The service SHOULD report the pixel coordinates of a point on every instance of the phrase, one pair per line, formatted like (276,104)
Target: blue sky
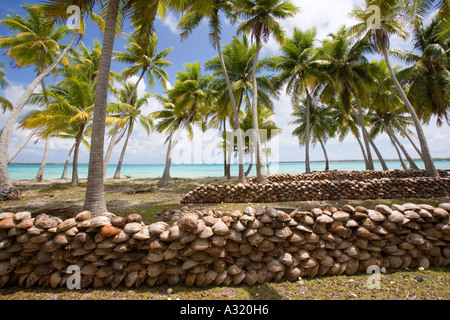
(326,15)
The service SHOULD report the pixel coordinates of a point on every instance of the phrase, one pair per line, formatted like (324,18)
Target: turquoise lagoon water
(54,171)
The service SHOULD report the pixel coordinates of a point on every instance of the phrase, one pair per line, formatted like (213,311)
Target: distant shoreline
(204,164)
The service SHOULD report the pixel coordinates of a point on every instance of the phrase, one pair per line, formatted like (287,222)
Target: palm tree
(352,77)
(428,77)
(142,14)
(391,23)
(383,122)
(238,59)
(321,122)
(300,64)
(196,12)
(35,43)
(188,101)
(346,123)
(133,114)
(68,112)
(145,60)
(386,101)
(260,21)
(265,123)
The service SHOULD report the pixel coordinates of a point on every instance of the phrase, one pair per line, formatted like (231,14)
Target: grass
(141,196)
(399,285)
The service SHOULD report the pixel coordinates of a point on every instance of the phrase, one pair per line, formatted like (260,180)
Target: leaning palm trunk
(22,145)
(66,164)
(408,157)
(122,154)
(327,164)
(95,199)
(166,174)
(7,189)
(173,140)
(378,153)
(409,138)
(362,148)
(398,151)
(241,177)
(426,155)
(360,117)
(250,164)
(112,141)
(40,175)
(261,175)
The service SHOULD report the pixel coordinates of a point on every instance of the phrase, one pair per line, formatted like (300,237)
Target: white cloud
(326,15)
(171,22)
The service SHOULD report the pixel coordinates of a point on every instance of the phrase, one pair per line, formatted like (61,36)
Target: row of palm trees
(333,87)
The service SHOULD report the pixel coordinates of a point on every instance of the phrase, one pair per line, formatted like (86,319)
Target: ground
(141,196)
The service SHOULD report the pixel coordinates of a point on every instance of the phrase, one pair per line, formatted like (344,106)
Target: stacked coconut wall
(307,190)
(220,248)
(349,175)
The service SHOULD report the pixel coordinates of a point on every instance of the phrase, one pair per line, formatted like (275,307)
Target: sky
(326,15)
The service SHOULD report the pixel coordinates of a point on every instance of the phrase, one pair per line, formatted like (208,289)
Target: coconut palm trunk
(409,138)
(95,199)
(225,163)
(360,117)
(267,160)
(250,164)
(40,175)
(173,140)
(426,155)
(66,164)
(362,149)
(22,145)
(76,152)
(166,174)
(241,177)
(112,141)
(308,131)
(379,156)
(398,151)
(261,175)
(408,157)
(122,154)
(327,163)
(7,189)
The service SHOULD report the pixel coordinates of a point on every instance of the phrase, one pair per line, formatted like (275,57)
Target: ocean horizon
(18,171)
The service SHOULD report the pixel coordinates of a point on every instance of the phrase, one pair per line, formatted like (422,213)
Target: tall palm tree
(145,60)
(392,14)
(238,59)
(352,77)
(428,76)
(142,15)
(260,21)
(34,43)
(386,101)
(68,113)
(346,123)
(190,100)
(265,123)
(321,122)
(196,12)
(299,67)
(133,114)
